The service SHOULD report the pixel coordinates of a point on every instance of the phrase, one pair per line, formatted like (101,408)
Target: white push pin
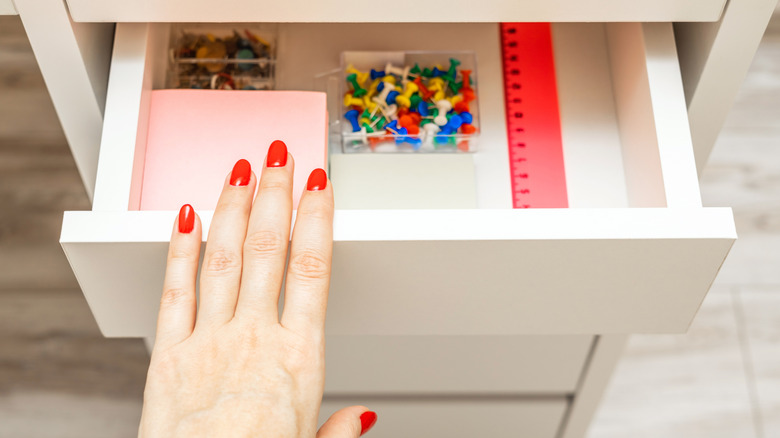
(429,133)
(382,96)
(398,71)
(389,111)
(444,106)
(364,135)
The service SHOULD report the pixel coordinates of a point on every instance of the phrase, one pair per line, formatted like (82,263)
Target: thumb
(350,422)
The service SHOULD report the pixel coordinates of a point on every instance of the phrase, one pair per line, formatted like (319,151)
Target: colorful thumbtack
(405,99)
(443,106)
(359,91)
(362,77)
(376,74)
(352,116)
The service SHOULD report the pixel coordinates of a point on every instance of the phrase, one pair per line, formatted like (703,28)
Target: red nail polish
(367,421)
(241,174)
(317,180)
(277,154)
(186,219)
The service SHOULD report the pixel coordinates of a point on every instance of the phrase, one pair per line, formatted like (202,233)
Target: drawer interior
(615,152)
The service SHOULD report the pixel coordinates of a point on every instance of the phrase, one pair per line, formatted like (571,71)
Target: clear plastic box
(222,56)
(378,129)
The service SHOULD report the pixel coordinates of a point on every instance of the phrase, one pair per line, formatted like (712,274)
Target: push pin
(362,77)
(350,100)
(405,99)
(384,89)
(467,117)
(398,71)
(429,132)
(359,91)
(452,71)
(352,116)
(376,74)
(467,128)
(425,93)
(391,96)
(443,106)
(452,125)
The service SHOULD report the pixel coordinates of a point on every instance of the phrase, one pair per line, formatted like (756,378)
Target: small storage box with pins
(222,57)
(409,102)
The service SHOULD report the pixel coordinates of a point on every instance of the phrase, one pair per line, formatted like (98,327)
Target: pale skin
(230,366)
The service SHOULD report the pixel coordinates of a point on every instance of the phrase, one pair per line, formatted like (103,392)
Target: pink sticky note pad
(196,136)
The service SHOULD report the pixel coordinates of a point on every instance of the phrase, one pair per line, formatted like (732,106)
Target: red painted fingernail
(241,174)
(186,219)
(277,154)
(367,421)
(317,180)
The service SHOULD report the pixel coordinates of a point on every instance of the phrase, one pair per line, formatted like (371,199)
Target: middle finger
(268,235)
(221,272)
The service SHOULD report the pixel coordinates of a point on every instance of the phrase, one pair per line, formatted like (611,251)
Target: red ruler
(532,117)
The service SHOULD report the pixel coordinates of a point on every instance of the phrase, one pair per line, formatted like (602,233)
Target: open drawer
(635,252)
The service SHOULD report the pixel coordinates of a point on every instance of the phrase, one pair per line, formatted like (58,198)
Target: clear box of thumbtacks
(408,101)
(222,56)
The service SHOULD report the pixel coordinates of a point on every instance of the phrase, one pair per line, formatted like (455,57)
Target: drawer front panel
(404,365)
(457,417)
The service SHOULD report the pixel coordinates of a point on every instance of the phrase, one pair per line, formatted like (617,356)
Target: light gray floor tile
(686,386)
(761,310)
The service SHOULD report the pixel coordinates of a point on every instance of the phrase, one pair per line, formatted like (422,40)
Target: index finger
(311,249)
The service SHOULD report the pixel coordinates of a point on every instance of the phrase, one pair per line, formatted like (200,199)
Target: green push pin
(415,100)
(455,86)
(427,73)
(368,127)
(359,91)
(452,72)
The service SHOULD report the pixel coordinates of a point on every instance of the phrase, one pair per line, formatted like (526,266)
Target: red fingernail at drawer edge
(186,219)
(277,154)
(241,174)
(367,421)
(317,180)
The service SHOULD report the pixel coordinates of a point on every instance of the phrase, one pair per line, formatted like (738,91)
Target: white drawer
(402,11)
(636,252)
(468,417)
(447,365)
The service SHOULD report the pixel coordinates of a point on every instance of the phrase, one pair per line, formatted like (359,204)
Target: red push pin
(425,93)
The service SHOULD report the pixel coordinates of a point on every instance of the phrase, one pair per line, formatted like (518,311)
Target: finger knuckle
(274,185)
(309,264)
(261,243)
(173,296)
(223,261)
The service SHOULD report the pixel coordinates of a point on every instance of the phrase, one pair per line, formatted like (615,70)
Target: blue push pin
(380,87)
(416,142)
(352,116)
(467,117)
(452,125)
(401,137)
(422,108)
(376,74)
(392,126)
(437,72)
(391,97)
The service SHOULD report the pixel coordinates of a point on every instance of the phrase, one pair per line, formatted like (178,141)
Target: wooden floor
(60,378)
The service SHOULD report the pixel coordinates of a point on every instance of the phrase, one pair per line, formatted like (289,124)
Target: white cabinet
(508,321)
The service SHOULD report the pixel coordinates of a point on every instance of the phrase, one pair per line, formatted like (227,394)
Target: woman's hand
(232,367)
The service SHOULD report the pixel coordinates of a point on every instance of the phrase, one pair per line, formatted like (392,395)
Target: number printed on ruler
(532,117)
